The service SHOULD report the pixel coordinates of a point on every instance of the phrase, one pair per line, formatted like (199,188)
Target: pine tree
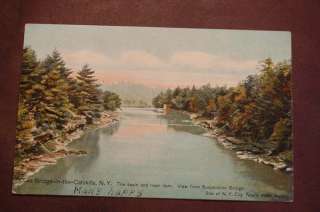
(55,108)
(89,94)
(257,110)
(55,61)
(31,76)
(24,129)
(29,65)
(44,89)
(29,93)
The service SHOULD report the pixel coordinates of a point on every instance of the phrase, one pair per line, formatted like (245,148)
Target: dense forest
(257,111)
(52,97)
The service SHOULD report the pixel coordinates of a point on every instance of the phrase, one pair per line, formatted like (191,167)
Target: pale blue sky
(140,54)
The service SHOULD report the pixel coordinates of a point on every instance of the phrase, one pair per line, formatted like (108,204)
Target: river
(153,155)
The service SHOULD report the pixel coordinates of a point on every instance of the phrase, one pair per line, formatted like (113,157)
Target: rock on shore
(243,150)
(28,166)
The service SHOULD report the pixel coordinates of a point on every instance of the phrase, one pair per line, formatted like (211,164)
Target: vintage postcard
(155,113)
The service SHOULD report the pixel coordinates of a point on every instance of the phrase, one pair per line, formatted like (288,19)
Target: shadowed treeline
(257,110)
(54,102)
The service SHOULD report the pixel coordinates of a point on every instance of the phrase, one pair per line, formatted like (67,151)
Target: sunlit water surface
(158,150)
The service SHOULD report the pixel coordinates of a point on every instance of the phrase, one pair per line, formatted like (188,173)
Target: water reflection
(147,147)
(78,164)
(57,171)
(181,122)
(250,170)
(90,143)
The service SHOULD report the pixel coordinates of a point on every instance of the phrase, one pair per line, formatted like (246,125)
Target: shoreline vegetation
(243,150)
(56,106)
(253,118)
(27,167)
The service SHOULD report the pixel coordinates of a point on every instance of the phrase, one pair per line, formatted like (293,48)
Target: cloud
(202,60)
(132,59)
(194,61)
(77,59)
(182,67)
(192,58)
(139,59)
(166,79)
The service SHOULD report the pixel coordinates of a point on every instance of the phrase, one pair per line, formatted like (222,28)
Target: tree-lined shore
(55,106)
(256,115)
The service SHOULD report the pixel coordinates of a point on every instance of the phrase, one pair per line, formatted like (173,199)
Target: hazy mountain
(133,94)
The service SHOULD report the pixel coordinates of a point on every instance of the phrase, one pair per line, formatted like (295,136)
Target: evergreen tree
(55,61)
(258,110)
(24,129)
(30,79)
(29,94)
(89,94)
(49,97)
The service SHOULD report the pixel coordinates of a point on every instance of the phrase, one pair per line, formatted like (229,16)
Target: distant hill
(132,94)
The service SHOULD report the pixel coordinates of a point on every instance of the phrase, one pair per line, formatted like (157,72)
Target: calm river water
(152,155)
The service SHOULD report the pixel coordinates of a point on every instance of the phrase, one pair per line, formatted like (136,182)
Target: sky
(160,57)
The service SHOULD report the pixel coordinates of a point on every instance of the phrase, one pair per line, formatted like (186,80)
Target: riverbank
(57,147)
(243,150)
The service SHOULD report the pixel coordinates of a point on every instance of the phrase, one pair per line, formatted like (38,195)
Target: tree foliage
(257,110)
(111,101)
(50,97)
